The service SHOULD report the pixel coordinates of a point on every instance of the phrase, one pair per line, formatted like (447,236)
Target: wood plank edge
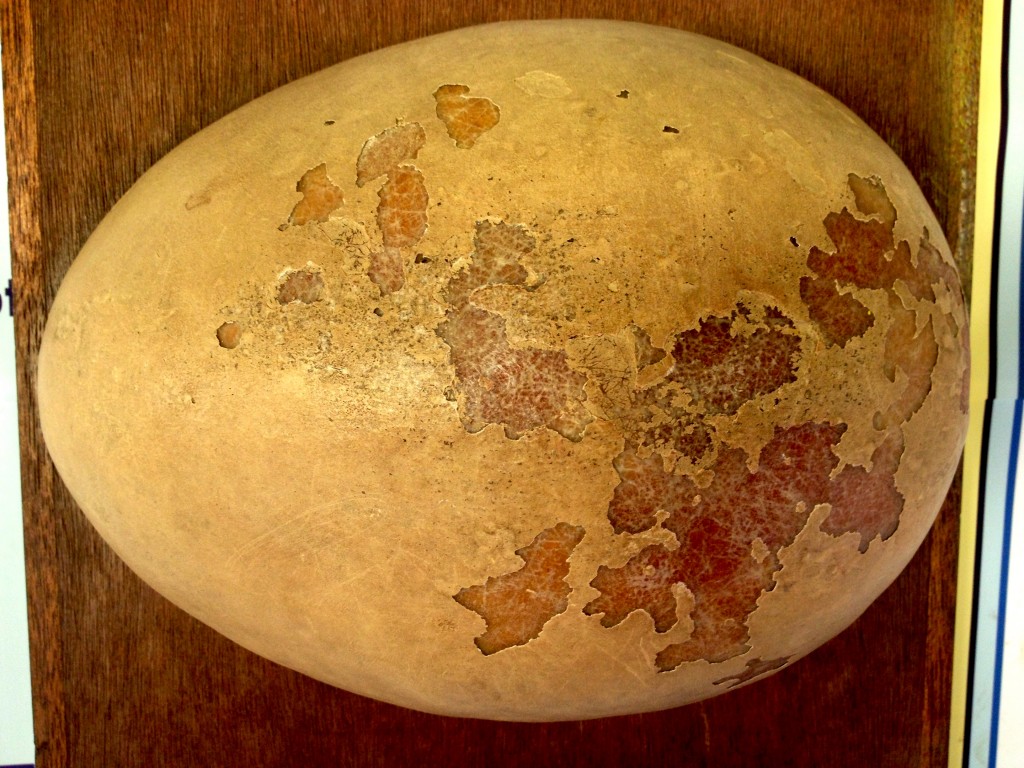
(30,305)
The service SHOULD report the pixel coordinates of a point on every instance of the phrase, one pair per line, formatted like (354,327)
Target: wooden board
(97,90)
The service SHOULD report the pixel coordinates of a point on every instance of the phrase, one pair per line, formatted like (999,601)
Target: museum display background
(95,92)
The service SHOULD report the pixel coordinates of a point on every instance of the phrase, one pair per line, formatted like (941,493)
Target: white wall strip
(996,738)
(16,740)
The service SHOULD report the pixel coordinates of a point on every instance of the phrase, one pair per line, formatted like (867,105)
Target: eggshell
(531,371)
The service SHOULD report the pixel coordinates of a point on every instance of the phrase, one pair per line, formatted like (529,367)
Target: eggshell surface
(532,371)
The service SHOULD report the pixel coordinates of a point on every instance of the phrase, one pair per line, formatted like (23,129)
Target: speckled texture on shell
(629,368)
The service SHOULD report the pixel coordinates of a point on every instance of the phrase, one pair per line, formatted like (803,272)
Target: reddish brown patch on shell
(320,197)
(839,316)
(402,211)
(725,362)
(388,149)
(865,501)
(386,270)
(722,367)
(730,533)
(520,388)
(686,435)
(465,117)
(866,256)
(517,605)
(644,489)
(497,250)
(402,206)
(301,285)
(716,528)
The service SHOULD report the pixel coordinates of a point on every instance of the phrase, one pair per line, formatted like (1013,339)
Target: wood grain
(97,90)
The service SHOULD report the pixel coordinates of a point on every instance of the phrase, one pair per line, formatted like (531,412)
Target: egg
(532,371)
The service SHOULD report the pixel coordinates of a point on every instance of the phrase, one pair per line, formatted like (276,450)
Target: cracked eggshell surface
(532,371)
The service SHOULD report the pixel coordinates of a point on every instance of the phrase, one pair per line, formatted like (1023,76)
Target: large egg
(531,371)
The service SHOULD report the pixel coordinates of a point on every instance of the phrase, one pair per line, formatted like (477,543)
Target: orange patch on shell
(320,197)
(517,605)
(465,117)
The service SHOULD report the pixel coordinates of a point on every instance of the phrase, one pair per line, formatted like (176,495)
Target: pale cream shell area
(313,494)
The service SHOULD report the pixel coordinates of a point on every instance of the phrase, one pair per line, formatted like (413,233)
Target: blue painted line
(997,666)
(989,663)
(1011,481)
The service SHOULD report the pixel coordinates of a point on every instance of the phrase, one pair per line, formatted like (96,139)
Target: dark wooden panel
(97,90)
